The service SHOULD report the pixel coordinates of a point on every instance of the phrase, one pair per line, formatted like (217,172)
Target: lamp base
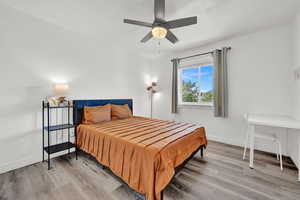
(61,100)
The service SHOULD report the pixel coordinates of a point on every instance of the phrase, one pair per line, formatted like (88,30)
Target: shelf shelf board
(58,107)
(58,127)
(59,147)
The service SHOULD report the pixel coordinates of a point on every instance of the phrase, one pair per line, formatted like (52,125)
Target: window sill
(195,106)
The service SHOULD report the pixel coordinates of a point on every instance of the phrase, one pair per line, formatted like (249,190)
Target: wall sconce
(152,91)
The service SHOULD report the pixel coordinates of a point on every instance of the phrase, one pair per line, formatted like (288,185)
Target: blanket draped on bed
(143,152)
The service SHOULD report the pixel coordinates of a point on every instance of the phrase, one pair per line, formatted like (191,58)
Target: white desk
(272,121)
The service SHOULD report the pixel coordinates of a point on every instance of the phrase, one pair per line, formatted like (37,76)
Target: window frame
(179,82)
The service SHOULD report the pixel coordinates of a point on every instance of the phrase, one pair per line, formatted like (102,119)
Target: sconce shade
(60,89)
(152,88)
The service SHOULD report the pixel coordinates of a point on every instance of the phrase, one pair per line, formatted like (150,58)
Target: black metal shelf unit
(49,129)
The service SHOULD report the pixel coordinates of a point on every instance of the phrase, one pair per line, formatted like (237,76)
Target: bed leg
(201,152)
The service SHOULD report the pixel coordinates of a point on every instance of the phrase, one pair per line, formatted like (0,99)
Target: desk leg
(246,142)
(251,134)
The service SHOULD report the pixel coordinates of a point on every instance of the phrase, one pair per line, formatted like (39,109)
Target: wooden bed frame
(78,106)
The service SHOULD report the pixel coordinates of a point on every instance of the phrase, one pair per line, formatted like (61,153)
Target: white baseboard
(237,143)
(28,160)
(224,140)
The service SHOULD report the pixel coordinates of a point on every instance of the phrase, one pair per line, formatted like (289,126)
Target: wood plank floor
(221,174)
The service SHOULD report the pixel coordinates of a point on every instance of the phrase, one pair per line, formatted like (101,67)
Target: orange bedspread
(143,152)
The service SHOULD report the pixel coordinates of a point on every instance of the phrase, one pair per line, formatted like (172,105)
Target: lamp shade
(60,89)
(152,87)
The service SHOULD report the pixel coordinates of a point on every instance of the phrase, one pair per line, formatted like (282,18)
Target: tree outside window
(196,85)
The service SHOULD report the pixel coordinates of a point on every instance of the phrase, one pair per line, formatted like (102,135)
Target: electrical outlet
(297,74)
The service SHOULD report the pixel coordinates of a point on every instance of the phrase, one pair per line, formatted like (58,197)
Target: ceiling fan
(161,27)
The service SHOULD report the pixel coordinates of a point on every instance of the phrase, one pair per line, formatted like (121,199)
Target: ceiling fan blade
(138,23)
(181,22)
(147,37)
(159,10)
(171,37)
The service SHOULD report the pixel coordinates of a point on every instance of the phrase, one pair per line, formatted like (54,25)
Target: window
(196,85)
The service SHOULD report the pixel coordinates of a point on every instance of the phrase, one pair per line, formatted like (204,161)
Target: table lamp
(60,91)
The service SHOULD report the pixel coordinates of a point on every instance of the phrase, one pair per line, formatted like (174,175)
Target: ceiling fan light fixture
(159,32)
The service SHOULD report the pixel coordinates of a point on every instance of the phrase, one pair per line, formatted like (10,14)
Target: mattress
(143,152)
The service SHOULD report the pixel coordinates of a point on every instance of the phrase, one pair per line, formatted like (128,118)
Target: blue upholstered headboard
(79,105)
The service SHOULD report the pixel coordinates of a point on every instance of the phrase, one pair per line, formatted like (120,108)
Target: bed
(145,153)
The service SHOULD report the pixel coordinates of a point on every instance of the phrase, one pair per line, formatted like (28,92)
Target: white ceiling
(217,19)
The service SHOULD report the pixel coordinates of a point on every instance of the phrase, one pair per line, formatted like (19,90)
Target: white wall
(260,81)
(294,136)
(296,65)
(34,54)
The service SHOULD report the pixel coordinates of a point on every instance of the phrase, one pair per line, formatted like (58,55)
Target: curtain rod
(200,54)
